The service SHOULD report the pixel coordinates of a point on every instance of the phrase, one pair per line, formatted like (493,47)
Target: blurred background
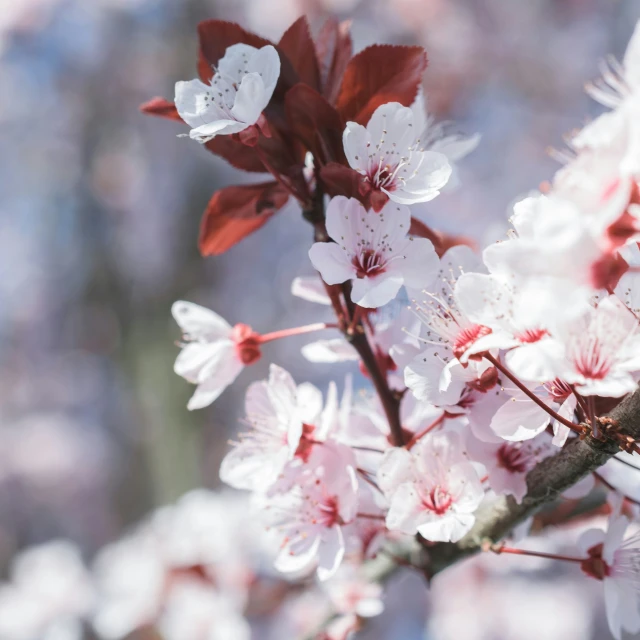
(99,215)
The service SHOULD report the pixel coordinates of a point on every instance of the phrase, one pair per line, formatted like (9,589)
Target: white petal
(335,350)
(332,262)
(375,292)
(198,322)
(250,99)
(330,553)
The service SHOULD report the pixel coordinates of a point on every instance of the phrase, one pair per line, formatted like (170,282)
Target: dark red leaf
(235,212)
(380,74)
(161,108)
(442,242)
(339,180)
(335,49)
(316,123)
(216,36)
(297,45)
(236,154)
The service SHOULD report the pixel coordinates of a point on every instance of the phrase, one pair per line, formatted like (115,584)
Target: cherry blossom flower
(214,353)
(373,251)
(432,490)
(389,153)
(310,517)
(49,596)
(351,592)
(507,463)
(520,418)
(614,561)
(236,96)
(285,421)
(186,560)
(520,314)
(310,289)
(436,374)
(601,350)
(556,239)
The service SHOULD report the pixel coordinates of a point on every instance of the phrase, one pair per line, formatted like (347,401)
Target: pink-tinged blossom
(285,421)
(189,557)
(389,154)
(616,562)
(507,463)
(236,96)
(213,352)
(601,350)
(436,374)
(520,418)
(432,490)
(351,593)
(309,518)
(556,239)
(49,596)
(373,251)
(520,314)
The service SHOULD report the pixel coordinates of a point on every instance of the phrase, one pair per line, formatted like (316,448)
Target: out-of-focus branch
(545,483)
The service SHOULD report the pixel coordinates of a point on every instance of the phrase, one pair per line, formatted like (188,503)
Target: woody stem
(498,365)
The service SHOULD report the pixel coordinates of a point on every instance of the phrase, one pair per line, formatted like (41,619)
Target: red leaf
(316,123)
(161,108)
(339,180)
(235,212)
(334,48)
(216,36)
(442,242)
(236,154)
(298,47)
(377,75)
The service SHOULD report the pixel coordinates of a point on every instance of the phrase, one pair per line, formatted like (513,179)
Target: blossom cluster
(480,365)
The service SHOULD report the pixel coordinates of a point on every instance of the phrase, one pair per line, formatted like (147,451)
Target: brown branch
(545,483)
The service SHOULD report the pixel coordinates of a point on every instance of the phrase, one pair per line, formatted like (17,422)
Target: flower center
(558,389)
(467,336)
(532,335)
(487,380)
(438,500)
(514,458)
(592,362)
(368,263)
(328,515)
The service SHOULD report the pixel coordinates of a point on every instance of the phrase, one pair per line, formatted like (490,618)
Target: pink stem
(498,365)
(296,331)
(424,432)
(536,554)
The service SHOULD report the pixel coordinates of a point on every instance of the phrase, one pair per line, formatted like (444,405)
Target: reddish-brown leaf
(161,108)
(316,123)
(215,37)
(377,75)
(297,45)
(236,154)
(442,242)
(235,212)
(339,180)
(335,49)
